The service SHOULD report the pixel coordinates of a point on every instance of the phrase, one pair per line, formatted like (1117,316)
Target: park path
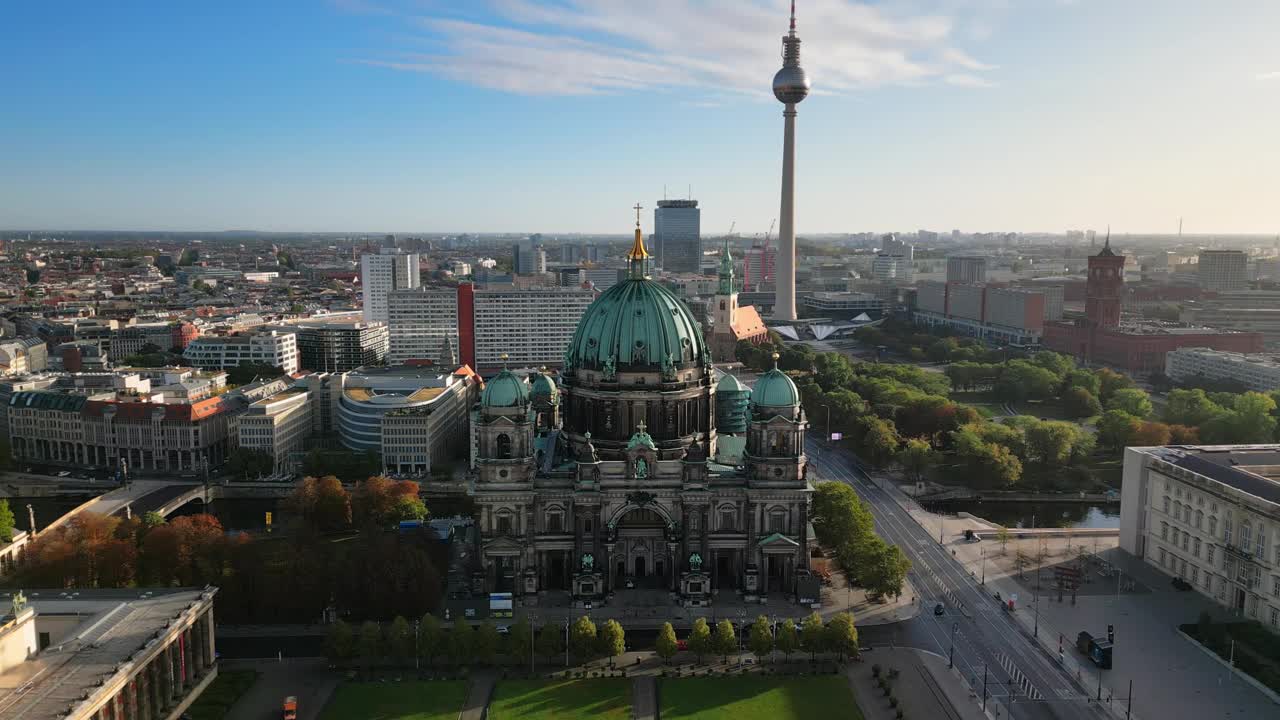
(478,698)
(644,698)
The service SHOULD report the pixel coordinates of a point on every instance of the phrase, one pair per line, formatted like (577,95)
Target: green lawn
(411,700)
(757,698)
(561,700)
(216,700)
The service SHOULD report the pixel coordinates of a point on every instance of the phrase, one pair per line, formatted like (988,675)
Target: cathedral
(605,478)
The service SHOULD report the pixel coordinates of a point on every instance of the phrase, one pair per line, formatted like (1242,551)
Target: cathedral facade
(604,478)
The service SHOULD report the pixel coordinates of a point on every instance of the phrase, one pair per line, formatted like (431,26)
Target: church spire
(726,269)
(638,254)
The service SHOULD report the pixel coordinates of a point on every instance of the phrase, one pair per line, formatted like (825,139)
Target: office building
(528,257)
(1248,311)
(677,234)
(90,654)
(1223,270)
(424,325)
(383,273)
(1003,315)
(895,263)
(1210,516)
(266,347)
(338,346)
(1140,347)
(758,267)
(413,416)
(279,426)
(146,432)
(966,269)
(1255,372)
(603,278)
(23,355)
(531,327)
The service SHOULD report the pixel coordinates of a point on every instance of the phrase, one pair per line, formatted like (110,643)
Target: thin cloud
(583,47)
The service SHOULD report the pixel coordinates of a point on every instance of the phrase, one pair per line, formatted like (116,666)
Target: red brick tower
(1105,287)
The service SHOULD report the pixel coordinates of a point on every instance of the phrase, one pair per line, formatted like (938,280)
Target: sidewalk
(649,609)
(924,687)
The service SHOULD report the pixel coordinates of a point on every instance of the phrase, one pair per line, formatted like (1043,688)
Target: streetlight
(951,656)
(984,567)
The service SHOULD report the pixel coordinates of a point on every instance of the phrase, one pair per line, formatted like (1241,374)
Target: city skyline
(1041,116)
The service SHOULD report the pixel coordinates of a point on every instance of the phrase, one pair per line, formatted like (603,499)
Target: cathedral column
(804,535)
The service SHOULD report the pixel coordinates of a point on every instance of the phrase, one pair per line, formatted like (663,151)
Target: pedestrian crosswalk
(1017,678)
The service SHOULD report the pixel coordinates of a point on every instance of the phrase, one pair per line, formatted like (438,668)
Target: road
(1019,674)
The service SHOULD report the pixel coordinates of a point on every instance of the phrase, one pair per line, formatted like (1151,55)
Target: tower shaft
(784,306)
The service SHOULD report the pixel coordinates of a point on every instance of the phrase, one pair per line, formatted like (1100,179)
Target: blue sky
(557,116)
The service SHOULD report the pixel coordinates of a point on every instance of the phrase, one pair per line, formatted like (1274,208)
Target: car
(682,645)
(64,473)
(939,609)
(1181,585)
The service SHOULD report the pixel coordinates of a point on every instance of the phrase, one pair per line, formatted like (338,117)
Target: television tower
(790,86)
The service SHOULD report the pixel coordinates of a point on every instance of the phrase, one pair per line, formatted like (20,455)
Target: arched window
(778,520)
(554,520)
(503,449)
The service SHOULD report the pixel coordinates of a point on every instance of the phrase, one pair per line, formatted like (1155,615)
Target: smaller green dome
(544,387)
(731,384)
(504,390)
(774,389)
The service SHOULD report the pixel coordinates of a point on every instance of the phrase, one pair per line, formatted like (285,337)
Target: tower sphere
(791,84)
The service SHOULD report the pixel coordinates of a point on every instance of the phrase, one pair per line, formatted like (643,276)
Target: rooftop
(117,624)
(1251,469)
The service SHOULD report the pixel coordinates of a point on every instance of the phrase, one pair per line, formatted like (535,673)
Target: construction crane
(732,225)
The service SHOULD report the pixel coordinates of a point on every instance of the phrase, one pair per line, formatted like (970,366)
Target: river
(1032,514)
(47,509)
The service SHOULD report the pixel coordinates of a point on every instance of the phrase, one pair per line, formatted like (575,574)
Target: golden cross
(638,208)
(641,426)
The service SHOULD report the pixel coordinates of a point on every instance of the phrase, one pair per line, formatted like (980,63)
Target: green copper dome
(504,390)
(637,325)
(775,390)
(544,387)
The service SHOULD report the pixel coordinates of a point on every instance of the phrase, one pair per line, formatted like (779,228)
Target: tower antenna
(793,15)
(1179,227)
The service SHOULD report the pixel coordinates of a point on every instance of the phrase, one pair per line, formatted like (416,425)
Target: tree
(1109,381)
(1022,380)
(788,639)
(814,635)
(1077,402)
(761,638)
(842,636)
(370,644)
(886,570)
(1183,435)
(1116,429)
(1131,400)
(700,639)
(1002,534)
(520,640)
(432,640)
(582,638)
(339,643)
(667,645)
(1057,363)
(461,642)
(380,502)
(485,643)
(549,644)
(322,503)
(839,515)
(7,522)
(246,462)
(400,640)
(1084,380)
(612,640)
(1192,408)
(988,462)
(877,440)
(725,641)
(1151,434)
(1051,442)
(917,457)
